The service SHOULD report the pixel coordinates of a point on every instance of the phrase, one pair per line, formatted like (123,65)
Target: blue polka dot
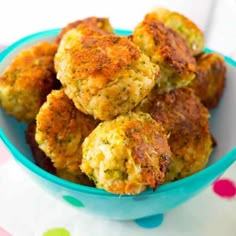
(150,222)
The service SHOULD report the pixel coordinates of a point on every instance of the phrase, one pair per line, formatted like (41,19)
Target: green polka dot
(73,201)
(57,232)
(150,222)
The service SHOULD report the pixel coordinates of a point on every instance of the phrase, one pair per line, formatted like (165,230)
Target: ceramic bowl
(148,203)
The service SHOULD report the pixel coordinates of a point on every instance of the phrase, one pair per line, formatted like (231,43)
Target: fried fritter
(187,29)
(167,49)
(127,154)
(61,129)
(96,24)
(104,75)
(91,26)
(26,82)
(39,156)
(185,120)
(45,162)
(209,82)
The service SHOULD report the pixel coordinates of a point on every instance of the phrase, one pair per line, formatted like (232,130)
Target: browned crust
(65,29)
(161,14)
(151,153)
(33,70)
(184,118)
(103,55)
(188,24)
(60,116)
(183,26)
(59,123)
(171,47)
(99,25)
(28,79)
(209,82)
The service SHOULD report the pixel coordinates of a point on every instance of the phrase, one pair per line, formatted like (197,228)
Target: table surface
(37,213)
(211,213)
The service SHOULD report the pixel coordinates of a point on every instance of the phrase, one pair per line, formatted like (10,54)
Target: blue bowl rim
(225,161)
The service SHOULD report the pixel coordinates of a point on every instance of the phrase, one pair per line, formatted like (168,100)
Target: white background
(22,17)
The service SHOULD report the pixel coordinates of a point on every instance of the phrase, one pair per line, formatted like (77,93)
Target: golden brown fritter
(167,49)
(96,24)
(187,29)
(157,14)
(209,82)
(26,82)
(45,162)
(71,25)
(104,75)
(127,154)
(61,129)
(39,156)
(185,120)
(91,26)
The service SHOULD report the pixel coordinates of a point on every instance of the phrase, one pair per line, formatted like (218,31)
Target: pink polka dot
(224,188)
(5,155)
(3,232)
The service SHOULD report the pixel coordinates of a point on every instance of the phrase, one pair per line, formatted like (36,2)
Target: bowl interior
(222,118)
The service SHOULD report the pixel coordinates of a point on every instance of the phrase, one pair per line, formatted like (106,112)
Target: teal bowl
(126,207)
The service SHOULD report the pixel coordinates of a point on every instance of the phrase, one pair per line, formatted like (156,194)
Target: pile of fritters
(119,113)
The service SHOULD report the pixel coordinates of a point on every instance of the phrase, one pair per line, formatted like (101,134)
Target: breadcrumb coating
(25,84)
(210,79)
(167,49)
(61,129)
(104,75)
(186,121)
(127,154)
(46,163)
(98,25)
(182,25)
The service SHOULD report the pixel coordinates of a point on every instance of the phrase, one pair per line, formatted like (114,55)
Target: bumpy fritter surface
(185,120)
(187,29)
(209,82)
(45,162)
(91,26)
(61,129)
(166,48)
(39,156)
(127,154)
(26,82)
(99,25)
(104,75)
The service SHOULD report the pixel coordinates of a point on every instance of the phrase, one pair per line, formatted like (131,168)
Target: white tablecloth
(27,210)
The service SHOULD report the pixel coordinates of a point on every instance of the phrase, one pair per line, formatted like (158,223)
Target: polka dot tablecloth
(27,210)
